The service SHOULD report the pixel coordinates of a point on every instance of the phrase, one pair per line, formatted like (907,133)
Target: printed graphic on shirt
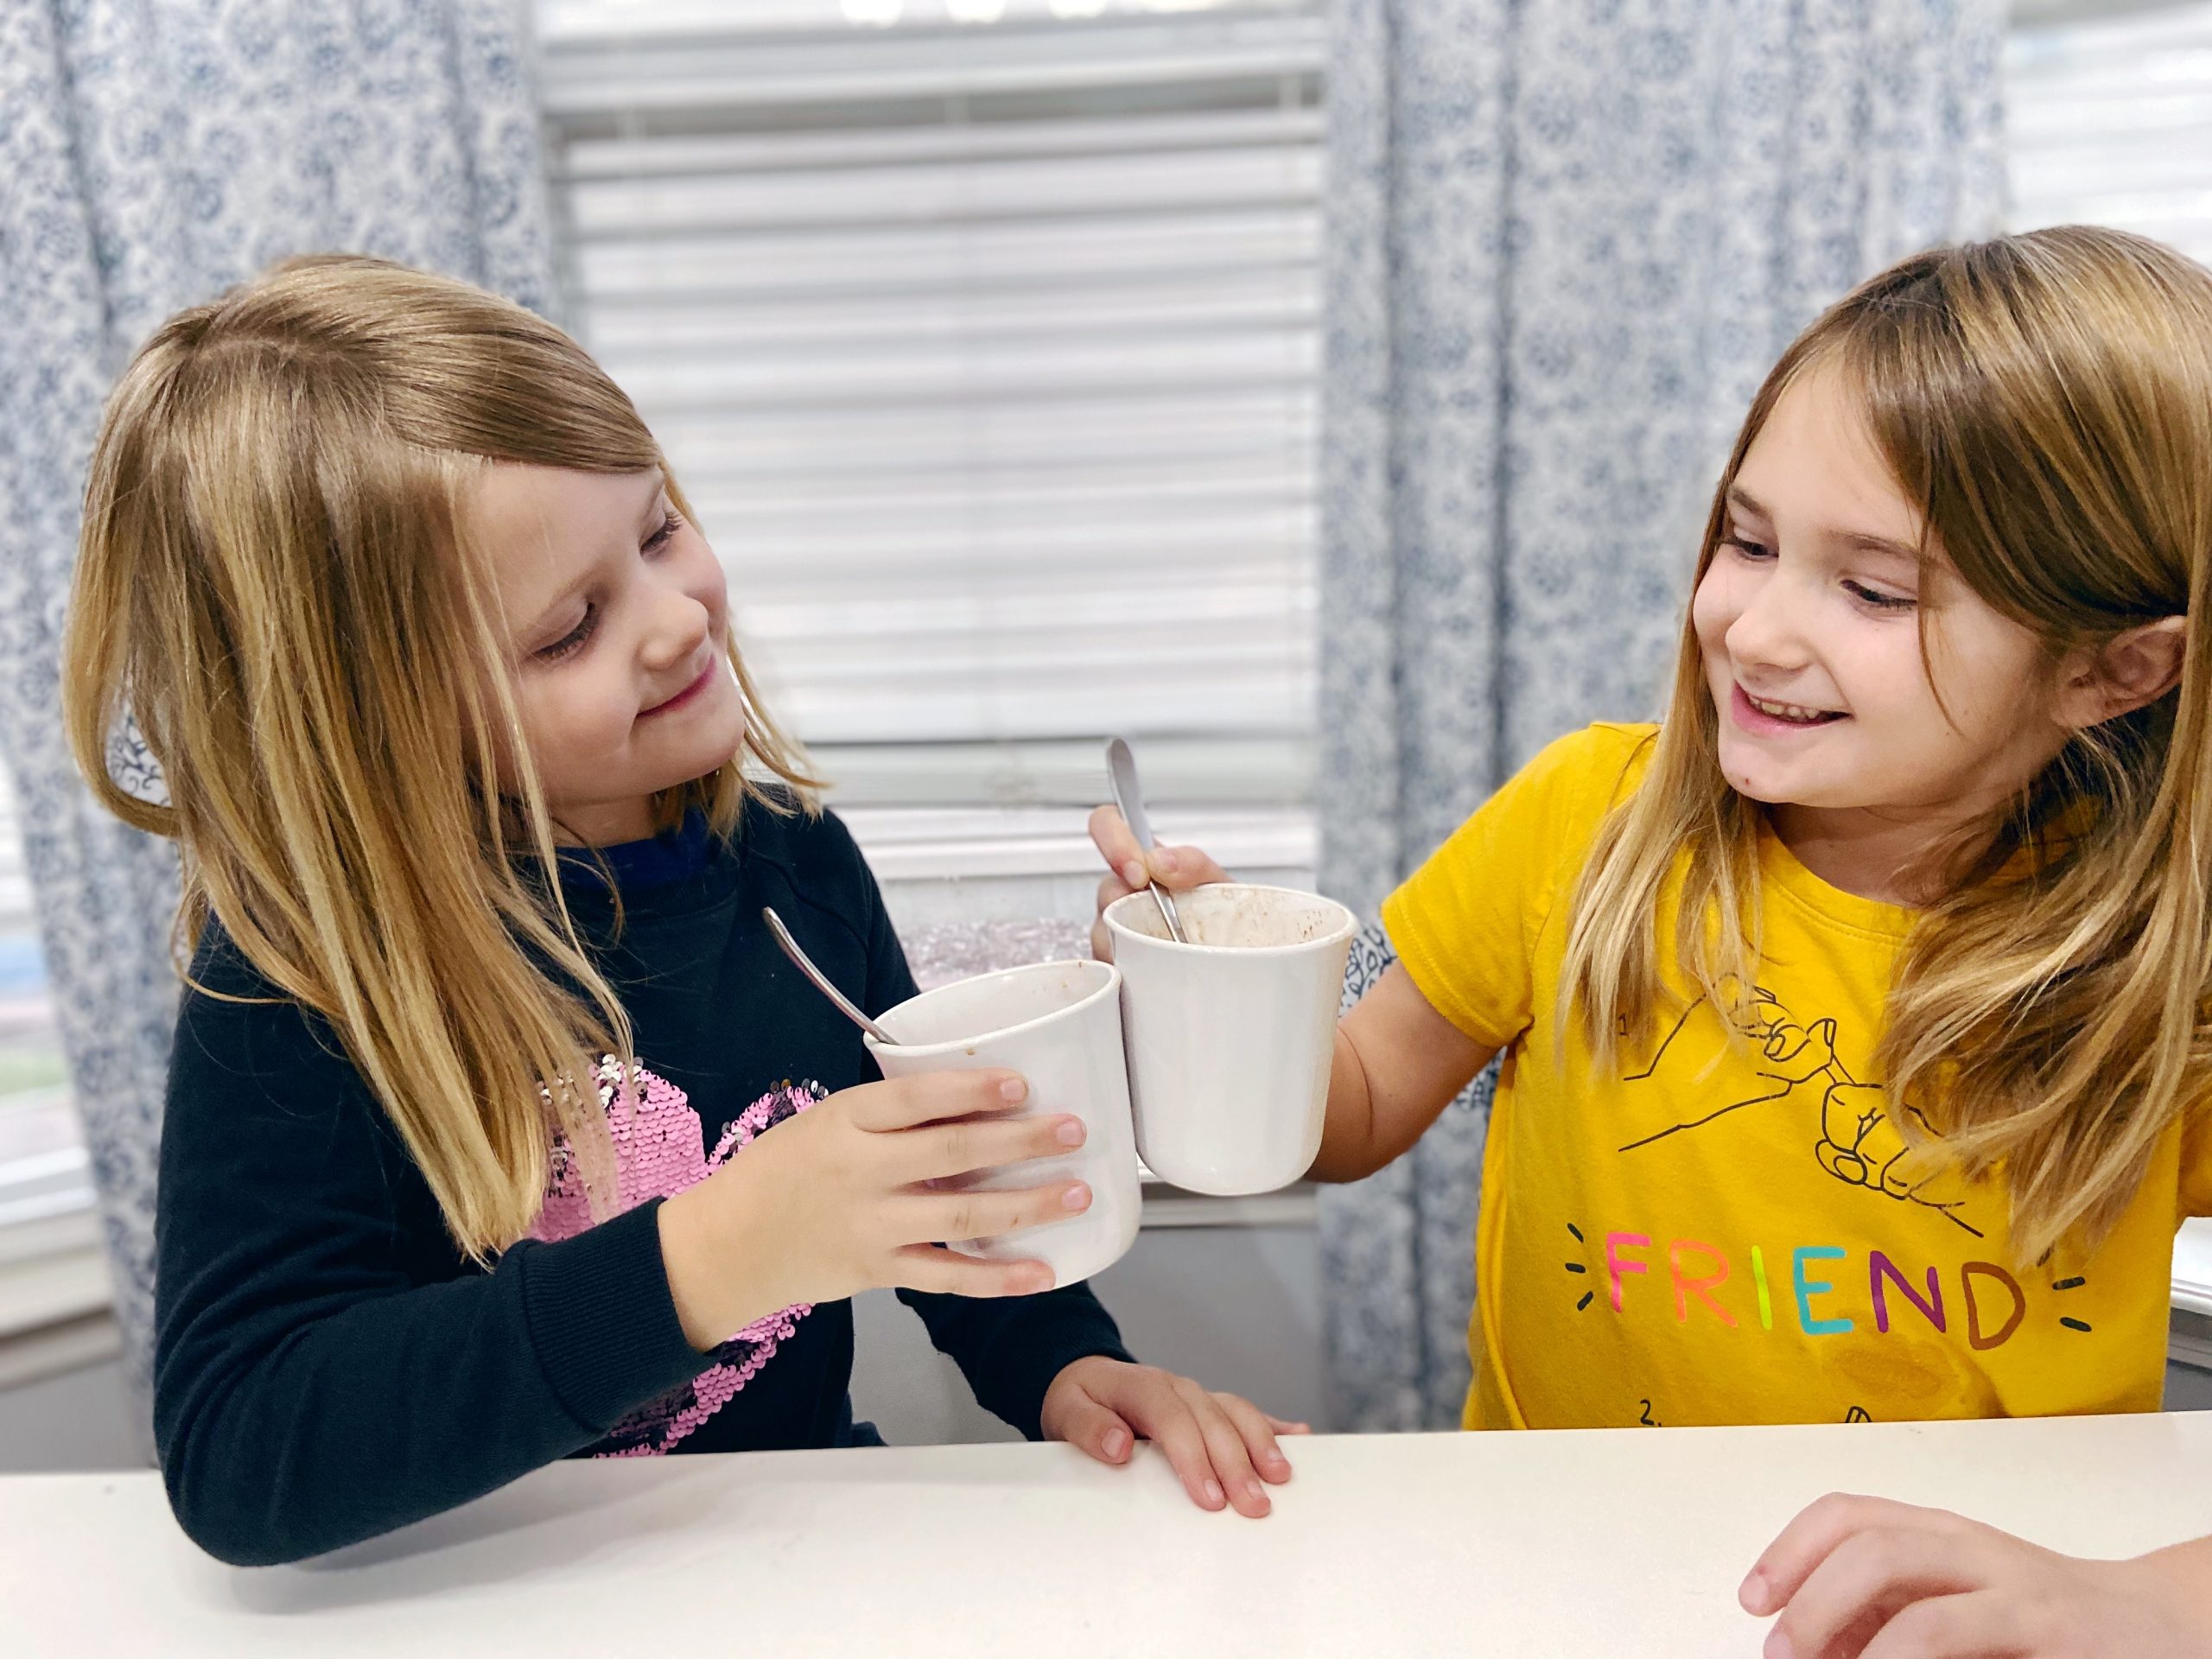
(1915,1336)
(659,1151)
(1987,1302)
(1853,1138)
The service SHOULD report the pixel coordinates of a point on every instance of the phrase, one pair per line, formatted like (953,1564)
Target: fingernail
(1013,1089)
(1166,863)
(1778,1646)
(1253,1495)
(1213,1493)
(1115,1443)
(1132,873)
(1075,1196)
(1752,1595)
(1070,1134)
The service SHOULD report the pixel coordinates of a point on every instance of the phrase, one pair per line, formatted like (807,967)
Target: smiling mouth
(1787,714)
(683,696)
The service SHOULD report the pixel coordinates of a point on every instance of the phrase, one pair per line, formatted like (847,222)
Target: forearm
(1349,1151)
(286,1433)
(1398,1064)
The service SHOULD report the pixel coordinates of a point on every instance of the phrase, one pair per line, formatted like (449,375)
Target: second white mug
(1231,1035)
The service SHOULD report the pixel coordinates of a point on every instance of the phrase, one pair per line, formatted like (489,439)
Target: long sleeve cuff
(601,1318)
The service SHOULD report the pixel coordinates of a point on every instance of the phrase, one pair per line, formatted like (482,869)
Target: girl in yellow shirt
(1854,1017)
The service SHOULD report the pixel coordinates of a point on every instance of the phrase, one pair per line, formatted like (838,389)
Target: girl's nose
(1769,628)
(679,627)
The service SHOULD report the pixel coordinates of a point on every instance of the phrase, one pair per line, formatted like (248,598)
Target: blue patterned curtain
(1566,238)
(153,152)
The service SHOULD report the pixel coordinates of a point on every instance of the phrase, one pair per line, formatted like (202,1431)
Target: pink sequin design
(658,1153)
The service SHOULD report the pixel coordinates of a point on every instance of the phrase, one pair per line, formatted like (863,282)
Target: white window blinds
(2109,112)
(987,352)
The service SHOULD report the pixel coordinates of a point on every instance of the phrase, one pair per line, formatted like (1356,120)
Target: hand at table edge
(1869,1578)
(1221,1446)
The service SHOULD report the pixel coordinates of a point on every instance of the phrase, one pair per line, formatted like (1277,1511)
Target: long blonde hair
(276,583)
(2046,400)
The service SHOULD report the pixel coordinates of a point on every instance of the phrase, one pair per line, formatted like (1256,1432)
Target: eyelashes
(573,641)
(576,638)
(1873,598)
(1880,601)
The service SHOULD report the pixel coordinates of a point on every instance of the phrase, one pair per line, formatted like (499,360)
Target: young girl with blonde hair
(1854,1016)
(498,1130)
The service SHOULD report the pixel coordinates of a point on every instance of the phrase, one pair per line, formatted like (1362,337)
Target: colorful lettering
(1879,1266)
(1700,1289)
(1975,1339)
(1808,1288)
(1697,1270)
(1614,1266)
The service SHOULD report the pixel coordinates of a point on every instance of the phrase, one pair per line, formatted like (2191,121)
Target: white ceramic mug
(1059,1025)
(1230,1036)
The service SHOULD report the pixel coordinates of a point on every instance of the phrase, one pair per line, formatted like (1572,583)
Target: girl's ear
(2123,675)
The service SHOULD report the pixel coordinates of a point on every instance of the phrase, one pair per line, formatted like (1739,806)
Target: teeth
(1786,711)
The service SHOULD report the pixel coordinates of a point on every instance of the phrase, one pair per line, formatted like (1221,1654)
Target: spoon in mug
(804,964)
(1122,772)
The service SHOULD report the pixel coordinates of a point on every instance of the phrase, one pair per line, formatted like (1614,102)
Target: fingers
(1113,838)
(1283,1426)
(1190,1427)
(1171,867)
(948,1273)
(1184,867)
(957,1216)
(932,1097)
(1176,1431)
(934,1151)
(1102,942)
(1258,1431)
(1098,1429)
(1112,889)
(1870,1578)
(1208,1452)
(1783,1567)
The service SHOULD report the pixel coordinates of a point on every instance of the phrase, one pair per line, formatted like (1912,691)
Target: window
(42,1167)
(983,335)
(54,1284)
(2109,108)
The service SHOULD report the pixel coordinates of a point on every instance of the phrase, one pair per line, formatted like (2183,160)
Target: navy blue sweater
(328,1366)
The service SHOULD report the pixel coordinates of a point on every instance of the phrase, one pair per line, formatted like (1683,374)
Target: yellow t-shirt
(1714,1233)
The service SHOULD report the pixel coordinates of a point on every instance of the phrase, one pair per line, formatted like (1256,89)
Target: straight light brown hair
(278,585)
(2046,401)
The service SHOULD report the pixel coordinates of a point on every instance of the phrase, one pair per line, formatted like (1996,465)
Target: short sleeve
(1465,923)
(2196,1162)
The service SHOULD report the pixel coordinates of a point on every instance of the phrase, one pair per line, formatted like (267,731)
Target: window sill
(937,844)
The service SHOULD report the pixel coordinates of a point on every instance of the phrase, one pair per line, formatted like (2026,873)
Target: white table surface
(1551,1545)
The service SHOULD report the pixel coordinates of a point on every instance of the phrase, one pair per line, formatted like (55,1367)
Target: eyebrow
(1742,499)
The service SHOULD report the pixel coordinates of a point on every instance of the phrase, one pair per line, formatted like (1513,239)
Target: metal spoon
(804,964)
(1122,772)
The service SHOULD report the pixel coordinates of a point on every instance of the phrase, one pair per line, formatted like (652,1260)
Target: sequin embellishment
(658,1148)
